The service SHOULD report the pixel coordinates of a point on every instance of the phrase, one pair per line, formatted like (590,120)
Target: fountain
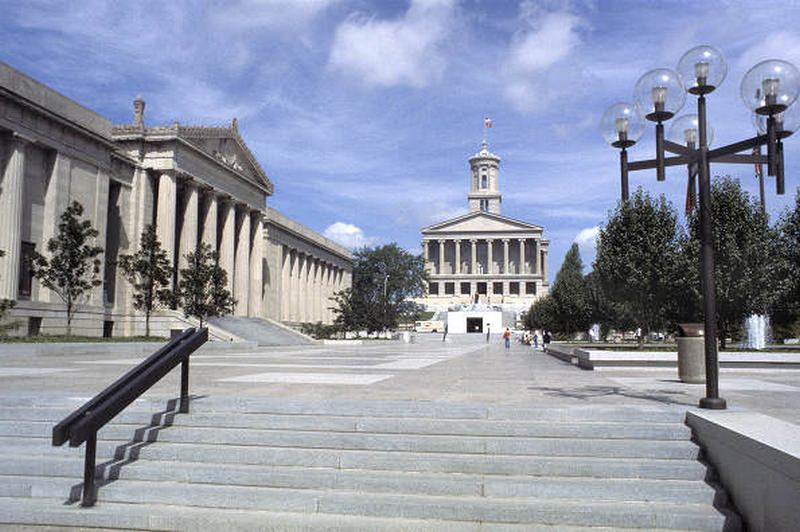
(757,333)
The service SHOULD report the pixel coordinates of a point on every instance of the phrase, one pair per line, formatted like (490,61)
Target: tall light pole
(768,89)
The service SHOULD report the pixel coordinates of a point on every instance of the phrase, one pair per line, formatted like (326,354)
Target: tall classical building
(483,256)
(194,183)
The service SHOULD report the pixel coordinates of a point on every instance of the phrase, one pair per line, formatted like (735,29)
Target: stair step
(162,517)
(464,508)
(447,462)
(442,483)
(405,426)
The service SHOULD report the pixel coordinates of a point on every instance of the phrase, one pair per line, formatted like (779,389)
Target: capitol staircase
(282,464)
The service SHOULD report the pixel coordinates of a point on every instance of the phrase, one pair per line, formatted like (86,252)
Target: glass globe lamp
(685,130)
(702,69)
(621,125)
(659,94)
(770,87)
(787,122)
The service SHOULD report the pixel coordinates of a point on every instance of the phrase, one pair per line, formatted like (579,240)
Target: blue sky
(364,113)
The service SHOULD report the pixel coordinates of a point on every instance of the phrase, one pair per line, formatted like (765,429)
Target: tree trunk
(69,319)
(147,324)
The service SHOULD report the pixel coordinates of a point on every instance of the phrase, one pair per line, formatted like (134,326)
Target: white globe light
(770,86)
(659,94)
(702,69)
(621,125)
(685,130)
(787,122)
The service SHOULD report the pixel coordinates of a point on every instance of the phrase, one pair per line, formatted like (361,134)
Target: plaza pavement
(464,369)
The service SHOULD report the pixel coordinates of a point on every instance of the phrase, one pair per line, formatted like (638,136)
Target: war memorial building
(195,183)
(483,257)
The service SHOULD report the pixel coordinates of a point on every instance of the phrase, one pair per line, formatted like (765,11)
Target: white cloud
(348,235)
(534,70)
(588,236)
(273,15)
(779,45)
(407,51)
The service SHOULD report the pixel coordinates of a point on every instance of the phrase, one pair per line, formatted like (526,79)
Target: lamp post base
(713,403)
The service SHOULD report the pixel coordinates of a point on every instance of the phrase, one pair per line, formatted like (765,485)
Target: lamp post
(768,89)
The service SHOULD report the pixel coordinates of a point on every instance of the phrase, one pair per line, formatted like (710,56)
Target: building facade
(194,183)
(483,257)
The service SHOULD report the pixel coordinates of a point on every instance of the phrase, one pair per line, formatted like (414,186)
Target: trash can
(691,353)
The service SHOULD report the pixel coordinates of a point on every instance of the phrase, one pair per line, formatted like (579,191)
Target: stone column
(188,242)
(473,267)
(521,268)
(227,243)
(294,259)
(505,257)
(318,306)
(441,256)
(165,213)
(489,257)
(210,220)
(55,201)
(286,279)
(544,265)
(425,253)
(241,280)
(11,205)
(256,264)
(535,253)
(457,269)
(309,289)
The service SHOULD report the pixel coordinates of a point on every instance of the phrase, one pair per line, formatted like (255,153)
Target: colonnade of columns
(308,285)
(11,205)
(536,266)
(230,227)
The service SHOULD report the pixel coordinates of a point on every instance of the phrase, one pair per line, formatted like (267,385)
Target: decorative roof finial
(235,125)
(487,125)
(138,112)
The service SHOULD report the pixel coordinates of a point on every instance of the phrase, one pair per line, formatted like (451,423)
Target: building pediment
(481,222)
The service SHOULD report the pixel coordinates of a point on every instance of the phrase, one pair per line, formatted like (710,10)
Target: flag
(487,123)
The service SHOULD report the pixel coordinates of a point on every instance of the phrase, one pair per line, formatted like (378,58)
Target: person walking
(444,336)
(488,332)
(535,341)
(507,338)
(545,340)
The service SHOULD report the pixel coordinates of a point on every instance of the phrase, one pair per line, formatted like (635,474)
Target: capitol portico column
(521,268)
(457,269)
(241,280)
(544,265)
(11,205)
(291,295)
(210,220)
(535,253)
(505,256)
(489,258)
(188,242)
(425,253)
(256,264)
(286,267)
(441,256)
(165,215)
(227,243)
(473,267)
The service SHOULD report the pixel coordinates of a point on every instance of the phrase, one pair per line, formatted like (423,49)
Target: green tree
(542,315)
(786,310)
(73,267)
(638,261)
(202,293)
(570,296)
(149,273)
(384,279)
(746,267)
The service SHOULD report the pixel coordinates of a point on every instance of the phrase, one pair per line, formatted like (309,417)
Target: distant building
(194,183)
(483,257)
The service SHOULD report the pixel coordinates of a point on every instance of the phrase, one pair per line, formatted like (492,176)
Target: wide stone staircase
(283,464)
(260,331)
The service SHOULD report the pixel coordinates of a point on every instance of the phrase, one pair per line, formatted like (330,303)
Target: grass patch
(57,339)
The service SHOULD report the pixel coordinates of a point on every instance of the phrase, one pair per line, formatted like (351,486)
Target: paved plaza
(464,369)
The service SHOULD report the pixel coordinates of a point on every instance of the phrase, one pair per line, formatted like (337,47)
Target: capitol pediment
(481,222)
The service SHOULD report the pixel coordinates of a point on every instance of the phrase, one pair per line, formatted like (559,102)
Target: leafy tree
(384,279)
(746,267)
(149,272)
(570,297)
(786,311)
(605,311)
(73,267)
(542,315)
(638,261)
(202,293)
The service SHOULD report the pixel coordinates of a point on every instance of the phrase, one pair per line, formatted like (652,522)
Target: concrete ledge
(591,358)
(757,458)
(342,342)
(567,354)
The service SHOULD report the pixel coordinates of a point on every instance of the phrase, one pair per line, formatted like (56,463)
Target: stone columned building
(193,183)
(483,257)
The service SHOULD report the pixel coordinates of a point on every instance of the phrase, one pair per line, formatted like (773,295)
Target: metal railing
(82,424)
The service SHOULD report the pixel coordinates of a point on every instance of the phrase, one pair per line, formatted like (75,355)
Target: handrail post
(89,492)
(184,408)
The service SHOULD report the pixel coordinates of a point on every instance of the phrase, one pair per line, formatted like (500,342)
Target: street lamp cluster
(768,89)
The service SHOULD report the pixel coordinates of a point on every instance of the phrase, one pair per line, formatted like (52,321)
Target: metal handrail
(82,424)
